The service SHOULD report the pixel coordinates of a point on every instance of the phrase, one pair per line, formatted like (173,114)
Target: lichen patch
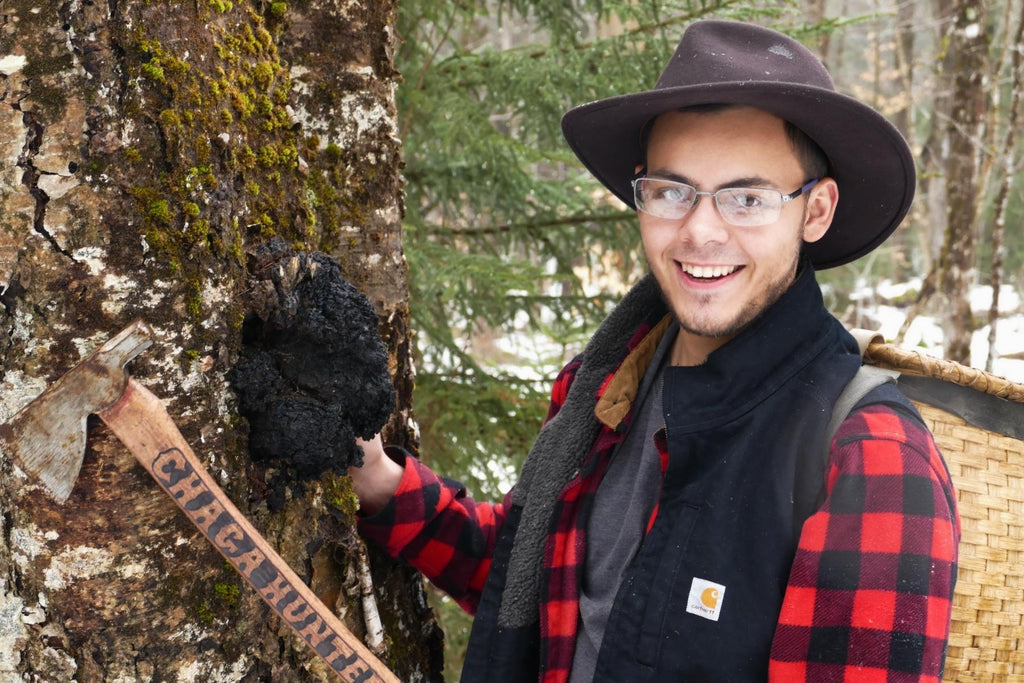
(77,563)
(12,632)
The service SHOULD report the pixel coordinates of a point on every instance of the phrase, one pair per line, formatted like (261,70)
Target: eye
(670,194)
(744,199)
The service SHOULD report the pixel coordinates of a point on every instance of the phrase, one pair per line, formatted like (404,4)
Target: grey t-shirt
(622,506)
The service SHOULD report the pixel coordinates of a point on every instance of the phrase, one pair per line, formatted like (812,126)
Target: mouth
(707,273)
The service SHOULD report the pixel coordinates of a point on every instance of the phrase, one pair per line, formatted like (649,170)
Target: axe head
(46,438)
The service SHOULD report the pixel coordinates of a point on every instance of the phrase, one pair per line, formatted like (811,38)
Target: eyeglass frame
(785,198)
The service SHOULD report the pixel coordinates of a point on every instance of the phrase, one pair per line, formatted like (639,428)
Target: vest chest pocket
(668,594)
(650,591)
(694,605)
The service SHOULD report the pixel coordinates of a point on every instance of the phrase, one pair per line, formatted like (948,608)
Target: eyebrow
(746,181)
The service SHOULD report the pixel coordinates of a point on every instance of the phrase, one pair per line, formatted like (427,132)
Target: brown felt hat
(726,62)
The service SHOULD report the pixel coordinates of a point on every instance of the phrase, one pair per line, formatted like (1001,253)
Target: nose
(703,224)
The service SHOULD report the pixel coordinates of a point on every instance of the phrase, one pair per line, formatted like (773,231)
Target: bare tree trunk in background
(932,172)
(936,173)
(989,165)
(968,53)
(814,12)
(930,206)
(147,147)
(1006,161)
(905,62)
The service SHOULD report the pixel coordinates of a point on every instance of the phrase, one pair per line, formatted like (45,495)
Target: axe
(47,439)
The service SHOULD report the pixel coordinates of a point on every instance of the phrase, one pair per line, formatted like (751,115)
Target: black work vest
(746,434)
(745,431)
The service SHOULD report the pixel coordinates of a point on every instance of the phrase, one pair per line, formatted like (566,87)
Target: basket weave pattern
(986,641)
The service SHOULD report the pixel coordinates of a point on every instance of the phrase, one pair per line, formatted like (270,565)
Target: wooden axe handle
(142,424)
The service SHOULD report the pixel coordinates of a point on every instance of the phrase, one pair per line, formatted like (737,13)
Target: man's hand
(377,480)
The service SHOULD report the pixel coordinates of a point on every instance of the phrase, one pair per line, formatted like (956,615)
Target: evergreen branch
(501,379)
(541,298)
(427,63)
(828,26)
(534,52)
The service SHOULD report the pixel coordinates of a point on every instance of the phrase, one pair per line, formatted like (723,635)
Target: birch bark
(145,149)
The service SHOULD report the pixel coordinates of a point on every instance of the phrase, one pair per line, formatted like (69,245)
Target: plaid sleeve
(433,525)
(870,592)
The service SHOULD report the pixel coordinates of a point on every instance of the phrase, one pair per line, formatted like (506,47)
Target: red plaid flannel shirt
(869,596)
(870,592)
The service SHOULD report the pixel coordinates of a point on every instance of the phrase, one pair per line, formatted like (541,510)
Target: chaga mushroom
(313,372)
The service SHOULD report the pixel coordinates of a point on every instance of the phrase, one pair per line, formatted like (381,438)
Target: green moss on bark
(211,99)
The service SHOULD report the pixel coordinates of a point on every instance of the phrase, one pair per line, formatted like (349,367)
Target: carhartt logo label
(705,599)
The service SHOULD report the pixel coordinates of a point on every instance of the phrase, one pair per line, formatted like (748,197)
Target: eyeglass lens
(741,206)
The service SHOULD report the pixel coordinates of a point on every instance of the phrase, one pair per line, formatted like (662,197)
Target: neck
(692,349)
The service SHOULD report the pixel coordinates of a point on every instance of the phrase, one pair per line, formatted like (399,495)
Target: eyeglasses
(746,207)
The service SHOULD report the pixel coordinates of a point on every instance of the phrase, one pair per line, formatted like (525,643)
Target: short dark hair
(811,157)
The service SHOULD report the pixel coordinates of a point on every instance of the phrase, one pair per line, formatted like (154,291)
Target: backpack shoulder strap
(809,489)
(868,377)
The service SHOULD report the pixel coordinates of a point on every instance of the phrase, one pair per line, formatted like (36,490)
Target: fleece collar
(563,444)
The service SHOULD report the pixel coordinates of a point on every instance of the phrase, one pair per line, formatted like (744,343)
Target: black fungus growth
(313,372)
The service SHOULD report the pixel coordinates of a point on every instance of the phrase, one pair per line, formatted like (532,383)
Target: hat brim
(871,161)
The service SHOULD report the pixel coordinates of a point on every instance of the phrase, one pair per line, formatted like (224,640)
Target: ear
(821,207)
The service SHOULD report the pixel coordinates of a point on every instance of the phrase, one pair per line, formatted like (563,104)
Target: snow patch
(925,332)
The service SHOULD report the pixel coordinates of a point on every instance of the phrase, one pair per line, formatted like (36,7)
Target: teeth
(707,271)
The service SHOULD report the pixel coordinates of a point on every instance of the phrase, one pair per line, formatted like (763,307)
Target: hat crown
(713,52)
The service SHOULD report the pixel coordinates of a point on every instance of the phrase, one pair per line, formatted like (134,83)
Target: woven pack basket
(978,423)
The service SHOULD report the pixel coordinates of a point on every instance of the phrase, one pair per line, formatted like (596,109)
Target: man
(684,514)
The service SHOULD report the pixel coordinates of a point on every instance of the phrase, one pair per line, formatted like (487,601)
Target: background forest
(516,254)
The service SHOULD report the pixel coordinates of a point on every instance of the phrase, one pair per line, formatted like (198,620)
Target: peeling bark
(145,149)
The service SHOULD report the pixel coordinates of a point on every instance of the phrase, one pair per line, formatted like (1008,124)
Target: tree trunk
(968,55)
(148,148)
(933,200)
(931,204)
(1006,161)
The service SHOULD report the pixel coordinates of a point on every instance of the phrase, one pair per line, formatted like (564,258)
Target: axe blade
(47,437)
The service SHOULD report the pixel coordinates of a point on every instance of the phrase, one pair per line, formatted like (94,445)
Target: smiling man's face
(717,277)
